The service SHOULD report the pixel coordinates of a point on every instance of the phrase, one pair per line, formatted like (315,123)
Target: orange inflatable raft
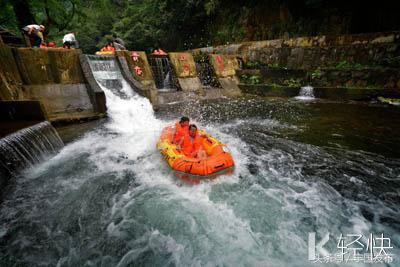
(218,160)
(105,53)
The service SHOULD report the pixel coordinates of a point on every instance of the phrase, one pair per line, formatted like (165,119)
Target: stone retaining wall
(384,78)
(313,52)
(337,93)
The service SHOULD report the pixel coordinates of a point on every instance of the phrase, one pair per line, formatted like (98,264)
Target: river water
(109,199)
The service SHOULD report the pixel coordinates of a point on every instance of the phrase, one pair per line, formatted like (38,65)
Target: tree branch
(70,19)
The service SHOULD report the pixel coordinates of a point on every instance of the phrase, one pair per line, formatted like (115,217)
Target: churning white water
(109,199)
(306,93)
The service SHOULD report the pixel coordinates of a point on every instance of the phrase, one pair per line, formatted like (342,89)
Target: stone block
(190,84)
(139,67)
(183,65)
(147,91)
(224,65)
(230,86)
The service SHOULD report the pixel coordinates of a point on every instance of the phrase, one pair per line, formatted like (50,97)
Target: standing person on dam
(34,33)
(70,40)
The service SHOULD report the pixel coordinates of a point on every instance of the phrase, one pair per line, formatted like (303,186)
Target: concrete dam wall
(52,76)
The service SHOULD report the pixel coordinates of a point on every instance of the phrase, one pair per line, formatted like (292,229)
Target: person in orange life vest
(192,144)
(109,47)
(181,129)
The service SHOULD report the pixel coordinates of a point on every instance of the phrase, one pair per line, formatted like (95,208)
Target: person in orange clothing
(192,144)
(181,129)
(107,48)
(110,47)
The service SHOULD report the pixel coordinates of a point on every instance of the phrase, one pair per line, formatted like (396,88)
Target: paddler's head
(184,122)
(192,130)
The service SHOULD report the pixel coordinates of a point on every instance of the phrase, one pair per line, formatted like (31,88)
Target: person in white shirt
(35,34)
(70,40)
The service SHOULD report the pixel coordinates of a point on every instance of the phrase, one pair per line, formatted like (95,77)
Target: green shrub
(292,82)
(253,65)
(316,74)
(252,79)
(345,65)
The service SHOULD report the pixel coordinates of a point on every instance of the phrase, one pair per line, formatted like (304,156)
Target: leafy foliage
(292,82)
(316,74)
(345,65)
(182,24)
(250,79)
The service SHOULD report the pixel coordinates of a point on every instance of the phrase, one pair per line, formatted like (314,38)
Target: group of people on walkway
(188,140)
(34,37)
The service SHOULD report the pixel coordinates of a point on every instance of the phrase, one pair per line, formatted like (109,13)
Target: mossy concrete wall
(62,101)
(337,93)
(52,76)
(385,78)
(139,67)
(185,70)
(148,90)
(313,52)
(10,79)
(49,66)
(225,67)
(19,114)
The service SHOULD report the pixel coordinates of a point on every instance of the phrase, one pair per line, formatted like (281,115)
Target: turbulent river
(109,199)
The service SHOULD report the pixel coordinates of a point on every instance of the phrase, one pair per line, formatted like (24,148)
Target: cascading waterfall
(162,72)
(306,93)
(124,105)
(107,73)
(28,146)
(206,73)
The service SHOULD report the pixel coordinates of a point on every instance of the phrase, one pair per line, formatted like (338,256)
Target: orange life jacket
(110,48)
(180,132)
(191,145)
